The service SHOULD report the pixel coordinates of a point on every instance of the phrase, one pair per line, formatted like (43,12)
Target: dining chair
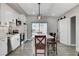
(40,44)
(53,43)
(51,34)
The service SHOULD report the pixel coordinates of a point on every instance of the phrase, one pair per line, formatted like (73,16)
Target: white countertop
(47,36)
(11,35)
(3,36)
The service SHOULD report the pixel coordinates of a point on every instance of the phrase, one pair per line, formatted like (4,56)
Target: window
(39,28)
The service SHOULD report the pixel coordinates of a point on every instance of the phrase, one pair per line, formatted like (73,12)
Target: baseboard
(73,45)
(68,44)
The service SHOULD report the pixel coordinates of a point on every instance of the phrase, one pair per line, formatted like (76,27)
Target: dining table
(33,42)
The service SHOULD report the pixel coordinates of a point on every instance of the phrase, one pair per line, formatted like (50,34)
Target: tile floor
(26,50)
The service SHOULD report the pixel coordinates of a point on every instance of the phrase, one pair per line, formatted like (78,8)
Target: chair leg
(48,49)
(35,52)
(45,52)
(56,48)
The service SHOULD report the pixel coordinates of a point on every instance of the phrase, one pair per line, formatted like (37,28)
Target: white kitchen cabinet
(66,32)
(15,41)
(3,46)
(63,31)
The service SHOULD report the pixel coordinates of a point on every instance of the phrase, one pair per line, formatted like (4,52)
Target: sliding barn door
(63,31)
(67,31)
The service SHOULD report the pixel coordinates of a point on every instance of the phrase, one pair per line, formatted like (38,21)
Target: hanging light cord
(39,8)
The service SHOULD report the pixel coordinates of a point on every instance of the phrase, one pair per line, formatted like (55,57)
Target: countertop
(5,36)
(11,35)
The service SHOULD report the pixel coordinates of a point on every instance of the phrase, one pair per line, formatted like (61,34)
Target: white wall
(52,24)
(77,34)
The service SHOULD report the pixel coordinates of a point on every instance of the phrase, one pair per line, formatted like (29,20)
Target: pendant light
(39,16)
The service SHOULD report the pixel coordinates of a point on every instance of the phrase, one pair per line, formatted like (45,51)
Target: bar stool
(53,43)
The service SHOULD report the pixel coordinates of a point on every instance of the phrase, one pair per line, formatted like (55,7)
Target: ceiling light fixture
(39,16)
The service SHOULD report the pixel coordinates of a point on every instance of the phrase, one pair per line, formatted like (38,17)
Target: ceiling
(47,9)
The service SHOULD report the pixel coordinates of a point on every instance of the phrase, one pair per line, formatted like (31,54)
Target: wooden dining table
(33,43)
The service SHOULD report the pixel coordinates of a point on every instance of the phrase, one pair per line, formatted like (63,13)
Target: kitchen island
(3,46)
(13,42)
(8,43)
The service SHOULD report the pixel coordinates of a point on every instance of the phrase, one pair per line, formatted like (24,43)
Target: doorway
(73,30)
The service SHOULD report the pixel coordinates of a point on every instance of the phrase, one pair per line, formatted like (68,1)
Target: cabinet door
(3,49)
(0,48)
(15,41)
(68,31)
(63,31)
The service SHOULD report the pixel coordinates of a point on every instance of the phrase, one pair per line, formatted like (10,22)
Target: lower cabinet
(15,41)
(3,47)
